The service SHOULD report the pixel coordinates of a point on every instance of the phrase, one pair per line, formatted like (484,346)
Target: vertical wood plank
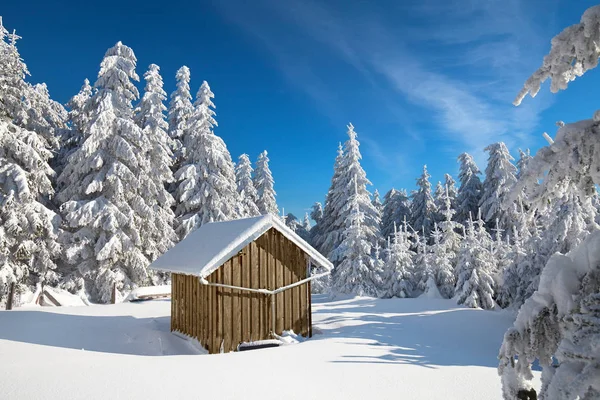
(255,284)
(279,279)
(226,273)
(236,309)
(309,290)
(264,321)
(247,263)
(297,323)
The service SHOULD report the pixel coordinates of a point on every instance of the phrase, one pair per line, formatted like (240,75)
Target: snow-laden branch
(574,51)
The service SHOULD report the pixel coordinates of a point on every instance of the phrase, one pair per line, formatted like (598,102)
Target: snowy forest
(95,190)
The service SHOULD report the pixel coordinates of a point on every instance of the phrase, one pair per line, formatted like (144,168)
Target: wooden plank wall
(219,317)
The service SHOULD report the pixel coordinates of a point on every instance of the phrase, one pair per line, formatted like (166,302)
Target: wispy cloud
(461,62)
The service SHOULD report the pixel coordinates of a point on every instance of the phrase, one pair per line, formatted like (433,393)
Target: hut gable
(211,245)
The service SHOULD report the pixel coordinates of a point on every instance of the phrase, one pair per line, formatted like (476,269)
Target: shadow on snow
(425,332)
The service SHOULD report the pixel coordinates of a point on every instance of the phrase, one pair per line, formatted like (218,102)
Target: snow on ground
(362,348)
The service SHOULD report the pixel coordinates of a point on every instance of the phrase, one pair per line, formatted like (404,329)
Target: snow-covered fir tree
(316,213)
(500,177)
(150,116)
(43,115)
(438,199)
(440,260)
(470,190)
(245,186)
(377,202)
(398,270)
(452,192)
(423,205)
(206,190)
(104,187)
(29,230)
(422,261)
(475,283)
(79,115)
(264,183)
(180,111)
(396,209)
(354,274)
(328,233)
(354,178)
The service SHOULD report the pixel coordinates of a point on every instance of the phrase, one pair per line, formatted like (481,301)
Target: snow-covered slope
(362,348)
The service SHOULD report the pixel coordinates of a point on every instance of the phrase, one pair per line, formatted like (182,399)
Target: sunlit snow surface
(363,348)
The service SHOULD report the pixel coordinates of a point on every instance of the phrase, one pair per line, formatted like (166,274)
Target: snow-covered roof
(211,245)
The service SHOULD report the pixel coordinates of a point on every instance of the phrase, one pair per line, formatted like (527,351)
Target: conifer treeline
(480,243)
(92,195)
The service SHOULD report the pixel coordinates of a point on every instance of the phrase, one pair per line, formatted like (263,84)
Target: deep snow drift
(362,348)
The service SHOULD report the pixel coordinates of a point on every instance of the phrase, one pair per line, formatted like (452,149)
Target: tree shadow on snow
(424,332)
(123,334)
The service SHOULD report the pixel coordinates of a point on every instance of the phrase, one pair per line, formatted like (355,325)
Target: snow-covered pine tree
(264,183)
(206,190)
(475,269)
(440,260)
(500,177)
(452,192)
(560,321)
(330,229)
(377,202)
(159,233)
(470,190)
(438,199)
(398,270)
(43,115)
(104,185)
(28,228)
(306,222)
(396,209)
(450,240)
(315,233)
(354,273)
(352,177)
(291,221)
(180,111)
(422,261)
(423,205)
(245,186)
(79,116)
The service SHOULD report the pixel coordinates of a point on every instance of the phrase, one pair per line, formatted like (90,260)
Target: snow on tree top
(211,245)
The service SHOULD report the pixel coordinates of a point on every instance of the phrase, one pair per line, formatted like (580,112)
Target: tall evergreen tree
(377,202)
(396,209)
(104,196)
(245,186)
(331,227)
(398,278)
(206,190)
(470,190)
(452,192)
(354,274)
(423,205)
(28,228)
(500,177)
(264,183)
(79,115)
(180,112)
(475,283)
(159,229)
(352,174)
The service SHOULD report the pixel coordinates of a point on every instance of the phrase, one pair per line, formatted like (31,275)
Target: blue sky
(421,81)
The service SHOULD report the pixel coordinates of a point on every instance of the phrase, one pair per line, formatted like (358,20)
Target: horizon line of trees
(480,243)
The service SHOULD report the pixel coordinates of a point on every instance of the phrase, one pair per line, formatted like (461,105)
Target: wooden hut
(241,281)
